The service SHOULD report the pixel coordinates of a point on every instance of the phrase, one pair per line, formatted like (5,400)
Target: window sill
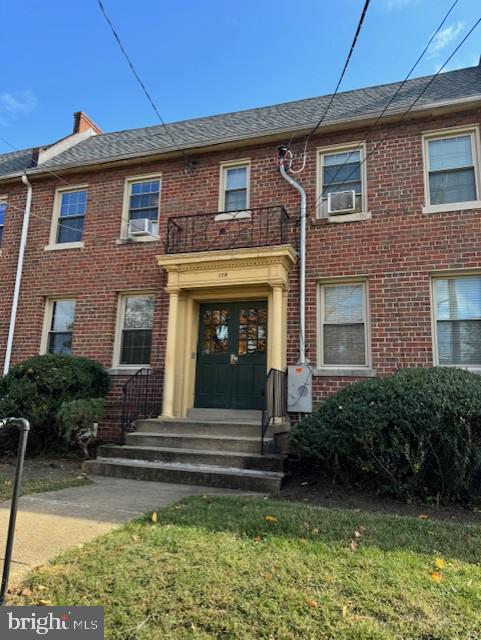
(137,240)
(64,245)
(349,372)
(126,371)
(452,207)
(342,217)
(226,216)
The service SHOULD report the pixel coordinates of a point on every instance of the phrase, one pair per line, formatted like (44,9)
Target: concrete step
(195,456)
(225,415)
(174,440)
(199,474)
(188,426)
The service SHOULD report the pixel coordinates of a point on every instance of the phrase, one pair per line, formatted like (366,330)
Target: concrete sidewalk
(49,523)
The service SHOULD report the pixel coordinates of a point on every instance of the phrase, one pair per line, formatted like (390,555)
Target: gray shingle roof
(459,85)
(17,161)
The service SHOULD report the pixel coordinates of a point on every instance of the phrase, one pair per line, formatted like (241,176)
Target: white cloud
(392,5)
(444,37)
(14,105)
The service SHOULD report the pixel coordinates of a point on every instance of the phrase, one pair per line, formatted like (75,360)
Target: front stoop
(207,448)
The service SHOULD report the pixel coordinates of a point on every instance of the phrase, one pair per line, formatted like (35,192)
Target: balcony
(263,227)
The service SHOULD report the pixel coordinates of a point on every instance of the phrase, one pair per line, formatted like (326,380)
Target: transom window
(343,325)
(60,333)
(71,216)
(235,184)
(451,166)
(3,211)
(457,311)
(341,171)
(144,201)
(136,326)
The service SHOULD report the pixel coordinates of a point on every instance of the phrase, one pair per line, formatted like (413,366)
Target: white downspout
(302,255)
(18,278)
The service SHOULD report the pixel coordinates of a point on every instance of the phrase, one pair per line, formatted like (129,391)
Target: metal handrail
(264,226)
(142,397)
(275,400)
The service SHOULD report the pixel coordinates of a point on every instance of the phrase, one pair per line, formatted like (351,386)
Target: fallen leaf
(423,516)
(135,538)
(302,540)
(354,545)
(437,576)
(344,611)
(153,517)
(303,484)
(41,587)
(25,592)
(257,539)
(439,563)
(270,519)
(312,604)
(315,531)
(44,603)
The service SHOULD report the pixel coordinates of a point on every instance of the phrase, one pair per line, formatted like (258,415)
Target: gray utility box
(299,389)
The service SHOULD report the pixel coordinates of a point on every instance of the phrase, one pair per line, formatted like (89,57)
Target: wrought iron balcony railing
(261,227)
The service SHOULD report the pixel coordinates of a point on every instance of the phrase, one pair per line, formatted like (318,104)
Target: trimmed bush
(37,387)
(416,434)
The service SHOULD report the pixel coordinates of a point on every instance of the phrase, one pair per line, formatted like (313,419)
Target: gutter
(18,277)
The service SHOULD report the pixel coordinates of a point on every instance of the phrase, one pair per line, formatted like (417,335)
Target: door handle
(233,358)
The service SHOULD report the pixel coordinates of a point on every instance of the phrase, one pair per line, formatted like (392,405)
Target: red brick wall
(397,249)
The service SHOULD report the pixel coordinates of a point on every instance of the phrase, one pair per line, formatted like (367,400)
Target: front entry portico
(224,281)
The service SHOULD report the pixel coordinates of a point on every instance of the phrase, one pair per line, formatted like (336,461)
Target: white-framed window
(457,320)
(71,207)
(341,168)
(134,330)
(3,213)
(343,330)
(142,202)
(451,169)
(58,326)
(234,186)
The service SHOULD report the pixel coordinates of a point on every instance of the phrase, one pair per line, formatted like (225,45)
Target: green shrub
(37,387)
(415,434)
(77,416)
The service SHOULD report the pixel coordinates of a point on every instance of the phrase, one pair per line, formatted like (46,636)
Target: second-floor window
(61,321)
(71,216)
(144,201)
(451,167)
(342,170)
(234,187)
(3,211)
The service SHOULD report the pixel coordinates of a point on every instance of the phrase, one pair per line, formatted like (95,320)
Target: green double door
(232,355)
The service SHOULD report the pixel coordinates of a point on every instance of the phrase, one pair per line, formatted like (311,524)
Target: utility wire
(333,95)
(408,110)
(137,76)
(396,93)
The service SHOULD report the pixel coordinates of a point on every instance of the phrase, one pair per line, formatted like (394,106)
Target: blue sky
(200,57)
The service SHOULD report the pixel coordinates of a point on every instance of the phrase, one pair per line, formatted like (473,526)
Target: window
(72,206)
(234,187)
(3,211)
(343,340)
(451,163)
(342,170)
(137,312)
(60,330)
(144,201)
(457,314)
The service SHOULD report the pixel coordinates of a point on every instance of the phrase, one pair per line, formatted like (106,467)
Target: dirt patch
(41,468)
(306,485)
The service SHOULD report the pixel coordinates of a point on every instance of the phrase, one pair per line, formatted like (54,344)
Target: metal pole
(24,427)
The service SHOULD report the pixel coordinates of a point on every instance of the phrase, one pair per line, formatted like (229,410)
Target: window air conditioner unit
(341,202)
(140,227)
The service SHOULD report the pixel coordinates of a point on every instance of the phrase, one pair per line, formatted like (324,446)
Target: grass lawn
(40,474)
(215,567)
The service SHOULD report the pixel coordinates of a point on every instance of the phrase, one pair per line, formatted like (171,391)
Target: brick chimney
(81,122)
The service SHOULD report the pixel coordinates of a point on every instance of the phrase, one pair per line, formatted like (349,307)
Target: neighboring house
(175,247)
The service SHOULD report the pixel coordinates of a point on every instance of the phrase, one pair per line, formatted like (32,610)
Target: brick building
(176,248)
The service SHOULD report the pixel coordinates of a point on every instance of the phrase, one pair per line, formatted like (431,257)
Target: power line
(136,75)
(396,93)
(333,95)
(411,106)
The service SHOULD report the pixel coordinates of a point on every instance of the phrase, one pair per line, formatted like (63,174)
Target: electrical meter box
(299,389)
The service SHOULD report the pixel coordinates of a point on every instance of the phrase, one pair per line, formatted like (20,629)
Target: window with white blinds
(457,310)
(343,325)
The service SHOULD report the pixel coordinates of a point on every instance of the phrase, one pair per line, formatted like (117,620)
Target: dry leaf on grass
(312,604)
